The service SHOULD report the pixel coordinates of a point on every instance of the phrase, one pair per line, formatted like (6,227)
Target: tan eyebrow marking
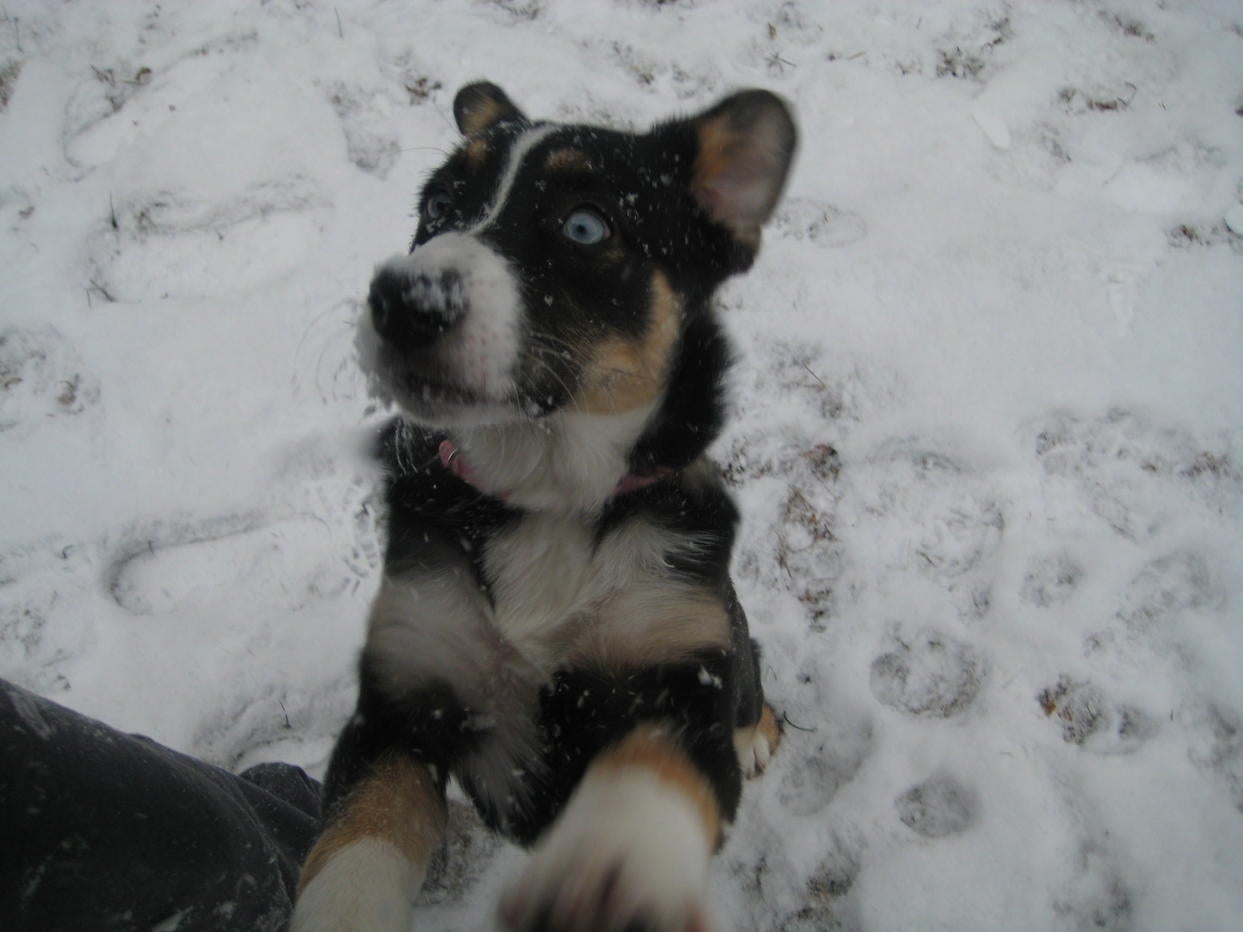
(566,159)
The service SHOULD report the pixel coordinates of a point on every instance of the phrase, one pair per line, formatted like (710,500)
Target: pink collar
(451,458)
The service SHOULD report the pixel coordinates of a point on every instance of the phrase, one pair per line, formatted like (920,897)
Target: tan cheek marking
(650,750)
(398,803)
(626,374)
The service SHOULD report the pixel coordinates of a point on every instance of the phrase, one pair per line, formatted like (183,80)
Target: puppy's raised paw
(630,854)
(756,744)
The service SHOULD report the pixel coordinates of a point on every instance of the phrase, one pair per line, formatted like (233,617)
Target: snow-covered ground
(989,434)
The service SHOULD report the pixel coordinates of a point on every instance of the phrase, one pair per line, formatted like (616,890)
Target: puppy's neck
(567,462)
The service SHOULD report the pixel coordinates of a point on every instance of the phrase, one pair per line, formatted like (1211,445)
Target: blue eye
(585,226)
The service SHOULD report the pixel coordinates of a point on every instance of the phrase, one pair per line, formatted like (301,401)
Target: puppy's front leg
(631,849)
(369,863)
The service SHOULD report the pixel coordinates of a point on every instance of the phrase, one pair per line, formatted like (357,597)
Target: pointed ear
(745,146)
(478,107)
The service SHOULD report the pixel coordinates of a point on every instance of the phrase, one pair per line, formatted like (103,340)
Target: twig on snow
(785,717)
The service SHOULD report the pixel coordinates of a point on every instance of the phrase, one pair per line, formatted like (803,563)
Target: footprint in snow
(813,770)
(1156,604)
(39,632)
(41,377)
(175,566)
(363,112)
(1087,718)
(1096,895)
(773,885)
(1214,735)
(819,223)
(1051,580)
(827,903)
(654,73)
(930,674)
(117,99)
(1135,475)
(164,244)
(28,655)
(1167,588)
(935,516)
(937,807)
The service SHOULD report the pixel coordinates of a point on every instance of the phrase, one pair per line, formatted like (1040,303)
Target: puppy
(556,627)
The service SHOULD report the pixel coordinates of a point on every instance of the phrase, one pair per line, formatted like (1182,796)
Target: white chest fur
(553,584)
(557,599)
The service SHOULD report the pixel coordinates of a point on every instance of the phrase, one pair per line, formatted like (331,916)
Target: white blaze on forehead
(518,152)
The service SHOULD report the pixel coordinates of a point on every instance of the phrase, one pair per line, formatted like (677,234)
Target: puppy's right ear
(745,146)
(478,107)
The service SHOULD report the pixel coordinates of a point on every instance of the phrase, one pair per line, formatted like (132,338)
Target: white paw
(630,851)
(753,750)
(756,744)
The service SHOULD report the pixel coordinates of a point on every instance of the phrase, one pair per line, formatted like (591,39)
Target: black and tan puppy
(556,628)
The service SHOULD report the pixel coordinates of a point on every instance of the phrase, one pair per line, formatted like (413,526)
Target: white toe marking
(753,750)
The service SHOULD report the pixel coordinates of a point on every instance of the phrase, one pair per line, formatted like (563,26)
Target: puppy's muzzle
(412,310)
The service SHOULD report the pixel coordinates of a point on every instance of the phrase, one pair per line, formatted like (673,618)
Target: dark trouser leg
(104,830)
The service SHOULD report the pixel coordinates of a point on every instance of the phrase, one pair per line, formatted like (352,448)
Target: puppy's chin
(441,414)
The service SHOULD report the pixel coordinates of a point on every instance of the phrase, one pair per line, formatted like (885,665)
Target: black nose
(414,309)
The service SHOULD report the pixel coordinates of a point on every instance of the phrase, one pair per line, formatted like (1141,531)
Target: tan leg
(369,863)
(756,744)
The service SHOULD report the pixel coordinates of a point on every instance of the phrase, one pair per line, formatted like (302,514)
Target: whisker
(548,338)
(554,373)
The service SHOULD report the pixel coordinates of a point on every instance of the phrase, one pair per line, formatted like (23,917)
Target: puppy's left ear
(478,107)
(745,145)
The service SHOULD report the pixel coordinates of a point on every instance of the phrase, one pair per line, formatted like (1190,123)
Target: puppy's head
(555,267)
